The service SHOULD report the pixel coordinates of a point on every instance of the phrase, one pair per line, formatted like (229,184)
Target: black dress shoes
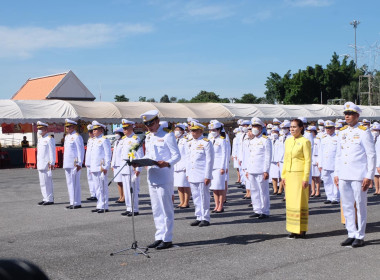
(47,203)
(94,210)
(204,224)
(184,207)
(221,211)
(41,202)
(76,207)
(164,245)
(250,205)
(92,198)
(255,215)
(347,242)
(263,216)
(100,211)
(291,236)
(357,243)
(69,207)
(155,244)
(125,213)
(195,223)
(134,214)
(327,202)
(334,202)
(317,195)
(301,236)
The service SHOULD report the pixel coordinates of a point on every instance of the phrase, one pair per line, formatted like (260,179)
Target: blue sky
(157,47)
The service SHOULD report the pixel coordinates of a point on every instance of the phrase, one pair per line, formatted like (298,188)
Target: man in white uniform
(200,161)
(90,179)
(72,163)
(257,160)
(45,163)
(354,170)
(100,164)
(161,146)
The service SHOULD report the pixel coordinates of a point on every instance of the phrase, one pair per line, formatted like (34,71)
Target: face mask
(117,136)
(321,128)
(177,133)
(285,131)
(255,131)
(240,128)
(213,134)
(245,129)
(39,132)
(275,135)
(375,133)
(269,131)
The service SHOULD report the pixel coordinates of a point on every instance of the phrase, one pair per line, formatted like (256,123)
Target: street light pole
(355,24)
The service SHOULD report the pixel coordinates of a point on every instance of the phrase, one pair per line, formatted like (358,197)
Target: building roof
(65,86)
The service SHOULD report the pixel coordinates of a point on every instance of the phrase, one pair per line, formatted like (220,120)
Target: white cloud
(24,41)
(309,3)
(213,12)
(260,16)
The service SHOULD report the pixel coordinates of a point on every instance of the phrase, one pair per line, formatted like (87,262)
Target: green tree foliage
(165,99)
(151,100)
(182,100)
(173,99)
(206,96)
(249,98)
(142,99)
(121,98)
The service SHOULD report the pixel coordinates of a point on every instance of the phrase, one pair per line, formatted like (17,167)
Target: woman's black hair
(299,124)
(120,133)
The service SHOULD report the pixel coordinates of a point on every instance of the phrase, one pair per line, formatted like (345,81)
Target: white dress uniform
(90,177)
(128,179)
(220,154)
(180,179)
(161,145)
(276,156)
(235,149)
(257,160)
(281,150)
(228,158)
(101,160)
(73,155)
(326,161)
(376,140)
(355,160)
(45,156)
(116,161)
(314,158)
(200,162)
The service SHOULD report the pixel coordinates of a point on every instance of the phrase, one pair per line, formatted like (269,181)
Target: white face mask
(177,133)
(255,131)
(285,131)
(117,136)
(375,133)
(214,134)
(321,128)
(39,132)
(275,135)
(245,129)
(269,131)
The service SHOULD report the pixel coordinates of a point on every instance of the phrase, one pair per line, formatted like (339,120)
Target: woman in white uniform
(274,172)
(116,163)
(315,173)
(375,130)
(180,180)
(219,167)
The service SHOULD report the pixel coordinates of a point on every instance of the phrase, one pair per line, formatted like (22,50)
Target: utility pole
(355,24)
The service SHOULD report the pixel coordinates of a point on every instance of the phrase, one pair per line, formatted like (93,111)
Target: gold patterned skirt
(297,203)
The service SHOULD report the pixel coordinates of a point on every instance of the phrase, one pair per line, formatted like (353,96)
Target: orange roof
(38,88)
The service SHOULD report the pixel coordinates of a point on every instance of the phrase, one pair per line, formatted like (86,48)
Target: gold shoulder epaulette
(362,127)
(188,140)
(343,128)
(77,133)
(264,136)
(50,136)
(124,137)
(104,137)
(206,139)
(221,137)
(135,137)
(317,137)
(324,136)
(167,130)
(146,133)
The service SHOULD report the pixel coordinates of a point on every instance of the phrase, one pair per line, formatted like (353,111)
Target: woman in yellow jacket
(295,173)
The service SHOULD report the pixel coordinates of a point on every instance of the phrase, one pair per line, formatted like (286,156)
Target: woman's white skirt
(315,171)
(118,178)
(180,179)
(274,171)
(218,180)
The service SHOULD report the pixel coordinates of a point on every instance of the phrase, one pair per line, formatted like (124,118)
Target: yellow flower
(131,155)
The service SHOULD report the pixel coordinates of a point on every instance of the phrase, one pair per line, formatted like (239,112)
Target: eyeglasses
(96,129)
(150,123)
(349,113)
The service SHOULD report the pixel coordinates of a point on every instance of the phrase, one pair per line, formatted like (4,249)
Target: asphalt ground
(76,244)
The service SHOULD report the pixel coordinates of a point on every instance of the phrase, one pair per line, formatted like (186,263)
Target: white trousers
(46,184)
(163,211)
(201,199)
(126,179)
(73,185)
(91,184)
(101,188)
(259,193)
(351,192)
(332,192)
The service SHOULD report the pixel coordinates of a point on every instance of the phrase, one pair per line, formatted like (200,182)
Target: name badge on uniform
(160,140)
(200,147)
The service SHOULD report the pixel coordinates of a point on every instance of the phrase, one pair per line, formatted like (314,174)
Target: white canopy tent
(56,111)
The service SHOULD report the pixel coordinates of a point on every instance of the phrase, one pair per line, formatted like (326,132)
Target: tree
(121,98)
(165,99)
(151,100)
(206,96)
(182,100)
(249,98)
(173,99)
(142,99)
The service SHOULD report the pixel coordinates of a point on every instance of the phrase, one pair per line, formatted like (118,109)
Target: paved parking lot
(76,244)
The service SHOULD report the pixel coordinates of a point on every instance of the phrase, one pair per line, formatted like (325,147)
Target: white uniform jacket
(259,155)
(220,152)
(277,147)
(74,150)
(90,142)
(116,160)
(161,145)
(200,160)
(126,143)
(281,150)
(228,151)
(377,149)
(327,152)
(100,154)
(45,152)
(314,156)
(355,158)
(182,143)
